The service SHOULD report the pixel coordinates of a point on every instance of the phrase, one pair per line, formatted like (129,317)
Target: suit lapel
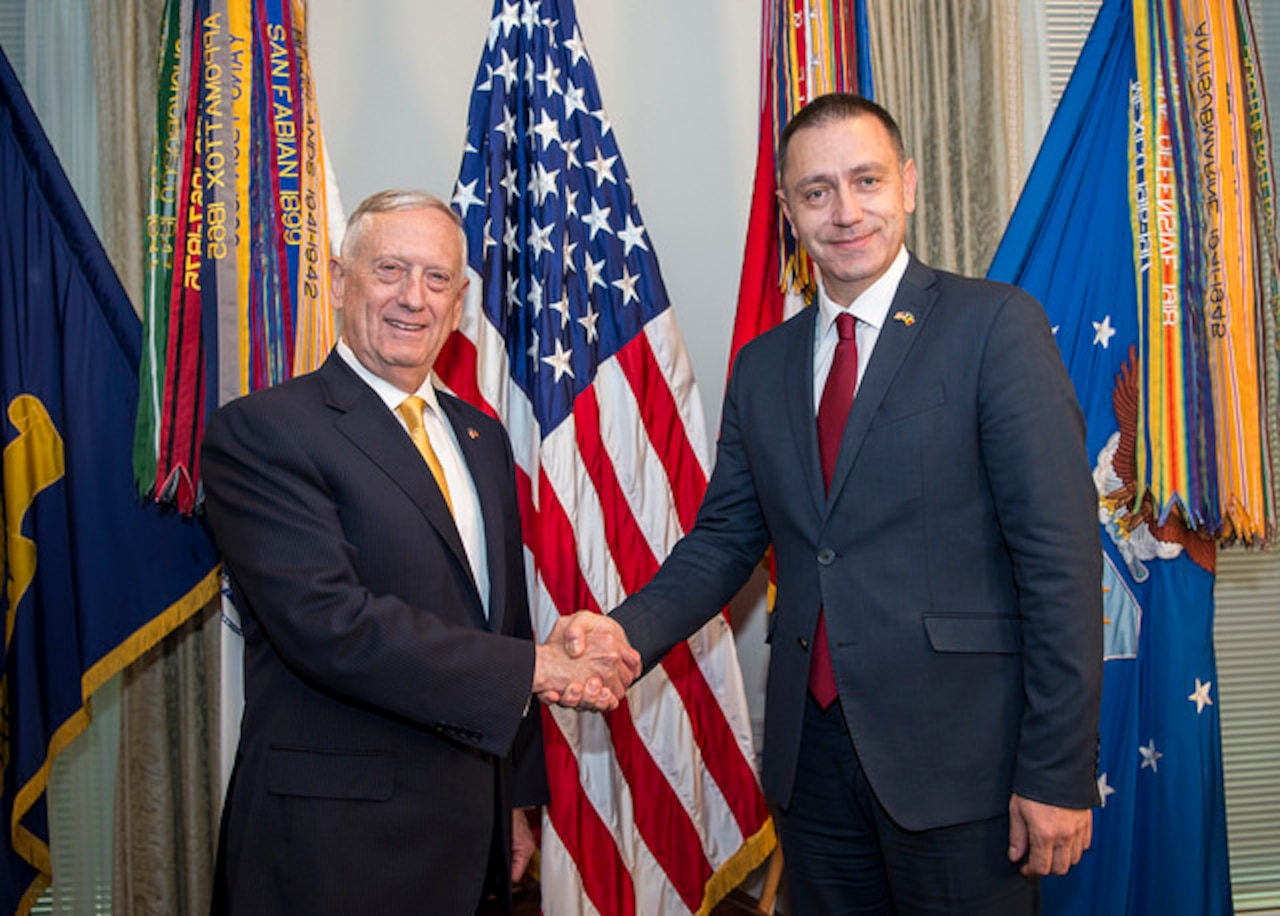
(479,456)
(365,420)
(798,383)
(902,328)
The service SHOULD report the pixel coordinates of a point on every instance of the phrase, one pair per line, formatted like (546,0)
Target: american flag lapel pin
(905,317)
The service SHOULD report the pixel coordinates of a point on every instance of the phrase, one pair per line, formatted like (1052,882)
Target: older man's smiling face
(400,293)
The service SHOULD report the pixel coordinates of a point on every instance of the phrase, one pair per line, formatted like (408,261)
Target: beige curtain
(125,38)
(169,787)
(949,71)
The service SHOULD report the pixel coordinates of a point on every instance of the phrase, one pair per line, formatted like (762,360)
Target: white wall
(680,80)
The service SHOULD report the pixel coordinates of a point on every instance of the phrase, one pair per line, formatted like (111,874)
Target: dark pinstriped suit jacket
(385,734)
(956,553)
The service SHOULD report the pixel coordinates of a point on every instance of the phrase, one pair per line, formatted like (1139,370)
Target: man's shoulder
(276,396)
(465,409)
(949,285)
(288,404)
(780,336)
(478,424)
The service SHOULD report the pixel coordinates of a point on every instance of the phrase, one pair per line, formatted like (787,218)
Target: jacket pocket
(311,773)
(968,633)
(898,407)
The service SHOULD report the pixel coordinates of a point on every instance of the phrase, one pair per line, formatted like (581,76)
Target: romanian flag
(807,48)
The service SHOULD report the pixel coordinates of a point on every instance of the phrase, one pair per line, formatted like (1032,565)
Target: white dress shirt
(871,309)
(462,488)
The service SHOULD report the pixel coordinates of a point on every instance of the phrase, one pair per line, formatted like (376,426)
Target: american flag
(568,337)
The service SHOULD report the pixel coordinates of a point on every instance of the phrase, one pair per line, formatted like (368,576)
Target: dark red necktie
(833,411)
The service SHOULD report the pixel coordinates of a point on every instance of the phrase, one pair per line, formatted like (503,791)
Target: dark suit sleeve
(285,510)
(1032,440)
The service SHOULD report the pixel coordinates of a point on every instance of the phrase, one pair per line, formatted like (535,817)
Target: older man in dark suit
(931,718)
(370,528)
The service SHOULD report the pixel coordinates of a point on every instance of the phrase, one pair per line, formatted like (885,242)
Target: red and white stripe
(655,807)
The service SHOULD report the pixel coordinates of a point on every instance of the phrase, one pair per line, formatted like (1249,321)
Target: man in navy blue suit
(931,719)
(387,742)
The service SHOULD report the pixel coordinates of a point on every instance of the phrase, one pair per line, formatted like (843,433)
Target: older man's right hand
(586,663)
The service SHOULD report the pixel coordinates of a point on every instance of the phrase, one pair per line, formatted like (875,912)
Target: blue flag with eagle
(1084,239)
(93,576)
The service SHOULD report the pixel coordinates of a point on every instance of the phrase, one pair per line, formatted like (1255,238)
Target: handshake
(586,663)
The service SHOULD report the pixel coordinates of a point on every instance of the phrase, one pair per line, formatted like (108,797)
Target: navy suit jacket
(956,554)
(386,731)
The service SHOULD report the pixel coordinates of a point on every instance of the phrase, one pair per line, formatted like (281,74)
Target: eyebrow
(866,168)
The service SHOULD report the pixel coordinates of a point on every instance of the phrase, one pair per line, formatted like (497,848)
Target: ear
(909,180)
(456,318)
(336,277)
(786,209)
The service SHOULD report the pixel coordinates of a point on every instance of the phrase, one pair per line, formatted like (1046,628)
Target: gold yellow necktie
(411,410)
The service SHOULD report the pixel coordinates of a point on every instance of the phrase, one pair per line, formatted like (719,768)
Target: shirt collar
(389,393)
(872,306)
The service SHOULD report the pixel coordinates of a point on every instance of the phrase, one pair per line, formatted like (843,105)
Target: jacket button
(826,556)
(804,643)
